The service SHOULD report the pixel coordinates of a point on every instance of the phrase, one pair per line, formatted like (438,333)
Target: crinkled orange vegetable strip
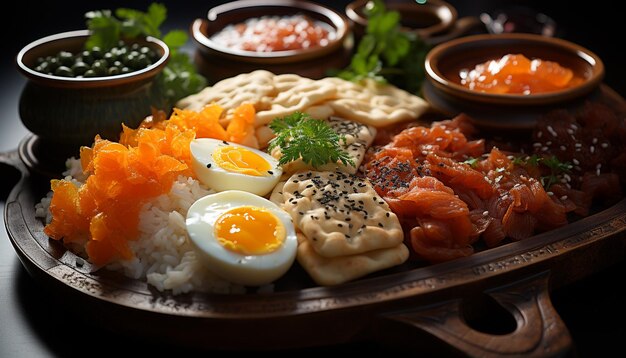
(123,176)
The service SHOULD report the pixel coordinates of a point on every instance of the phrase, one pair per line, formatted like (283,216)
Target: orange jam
(275,33)
(517,74)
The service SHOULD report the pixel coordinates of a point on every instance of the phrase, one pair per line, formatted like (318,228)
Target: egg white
(219,179)
(248,270)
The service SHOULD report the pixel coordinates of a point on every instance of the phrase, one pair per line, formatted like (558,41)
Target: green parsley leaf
(146,23)
(179,78)
(175,39)
(386,53)
(472,162)
(552,167)
(301,137)
(105,29)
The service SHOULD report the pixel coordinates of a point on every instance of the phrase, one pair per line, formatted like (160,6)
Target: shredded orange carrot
(104,212)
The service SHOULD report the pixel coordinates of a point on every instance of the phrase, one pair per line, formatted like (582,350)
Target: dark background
(30,326)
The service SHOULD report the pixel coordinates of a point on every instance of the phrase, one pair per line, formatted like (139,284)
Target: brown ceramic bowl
(217,61)
(444,91)
(66,113)
(428,19)
(74,41)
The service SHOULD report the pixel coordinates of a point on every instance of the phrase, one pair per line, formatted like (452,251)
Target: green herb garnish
(555,168)
(301,137)
(472,162)
(179,78)
(386,53)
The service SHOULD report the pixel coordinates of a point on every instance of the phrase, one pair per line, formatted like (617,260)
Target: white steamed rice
(163,254)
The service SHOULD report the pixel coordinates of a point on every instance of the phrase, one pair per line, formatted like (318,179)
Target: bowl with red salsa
(507,80)
(282,36)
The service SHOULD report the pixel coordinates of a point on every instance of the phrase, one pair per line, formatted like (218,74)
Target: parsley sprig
(179,78)
(300,136)
(386,53)
(553,168)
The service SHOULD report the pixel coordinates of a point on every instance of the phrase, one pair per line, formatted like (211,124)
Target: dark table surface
(31,326)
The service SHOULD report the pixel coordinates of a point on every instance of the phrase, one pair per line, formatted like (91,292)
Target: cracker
(255,87)
(297,98)
(273,96)
(276,196)
(340,214)
(320,111)
(333,271)
(358,137)
(288,81)
(375,104)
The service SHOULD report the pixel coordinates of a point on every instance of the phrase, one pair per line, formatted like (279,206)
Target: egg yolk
(249,230)
(241,160)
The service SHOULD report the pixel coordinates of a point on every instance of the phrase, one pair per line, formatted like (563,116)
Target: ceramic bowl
(444,91)
(217,61)
(71,111)
(429,20)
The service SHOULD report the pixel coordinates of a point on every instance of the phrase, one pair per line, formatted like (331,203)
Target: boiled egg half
(223,166)
(242,237)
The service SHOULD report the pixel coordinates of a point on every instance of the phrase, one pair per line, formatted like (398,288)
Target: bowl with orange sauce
(506,81)
(281,36)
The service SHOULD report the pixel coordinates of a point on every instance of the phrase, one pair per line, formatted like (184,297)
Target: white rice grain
(163,254)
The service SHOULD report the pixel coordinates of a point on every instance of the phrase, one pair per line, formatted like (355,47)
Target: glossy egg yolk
(240,160)
(249,230)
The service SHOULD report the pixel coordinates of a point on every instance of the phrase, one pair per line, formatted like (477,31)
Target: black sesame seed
(225,142)
(270,172)
(208,165)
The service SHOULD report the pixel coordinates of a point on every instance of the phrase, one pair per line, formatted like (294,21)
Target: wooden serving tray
(406,305)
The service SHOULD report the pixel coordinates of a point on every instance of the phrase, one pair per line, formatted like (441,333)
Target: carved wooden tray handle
(540,332)
(12,170)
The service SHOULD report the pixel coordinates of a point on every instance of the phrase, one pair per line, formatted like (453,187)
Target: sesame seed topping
(551,130)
